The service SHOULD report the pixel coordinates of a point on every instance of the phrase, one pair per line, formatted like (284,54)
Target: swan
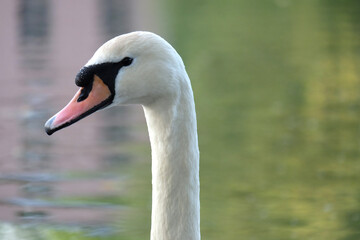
(143,68)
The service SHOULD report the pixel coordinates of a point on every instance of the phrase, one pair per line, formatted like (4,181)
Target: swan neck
(175,168)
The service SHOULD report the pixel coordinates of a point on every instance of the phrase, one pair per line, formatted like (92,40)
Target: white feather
(157,79)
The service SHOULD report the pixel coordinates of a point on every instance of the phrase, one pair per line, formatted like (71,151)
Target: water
(75,182)
(276,86)
(277,92)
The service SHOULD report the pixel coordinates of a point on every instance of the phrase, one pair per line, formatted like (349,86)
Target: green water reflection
(277,91)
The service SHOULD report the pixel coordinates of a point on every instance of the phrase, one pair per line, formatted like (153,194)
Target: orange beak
(99,97)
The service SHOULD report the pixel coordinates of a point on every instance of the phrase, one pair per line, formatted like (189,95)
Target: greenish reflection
(277,92)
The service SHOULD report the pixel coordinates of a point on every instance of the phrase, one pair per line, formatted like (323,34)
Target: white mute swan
(142,68)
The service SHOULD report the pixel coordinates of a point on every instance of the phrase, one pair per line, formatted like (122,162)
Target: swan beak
(81,106)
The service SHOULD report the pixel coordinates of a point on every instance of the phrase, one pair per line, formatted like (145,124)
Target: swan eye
(126,61)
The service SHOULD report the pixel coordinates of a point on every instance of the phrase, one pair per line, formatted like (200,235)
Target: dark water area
(74,182)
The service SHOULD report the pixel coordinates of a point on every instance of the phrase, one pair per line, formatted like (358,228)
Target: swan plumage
(143,68)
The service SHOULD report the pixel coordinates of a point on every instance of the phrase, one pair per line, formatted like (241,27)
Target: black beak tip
(48,126)
(49,131)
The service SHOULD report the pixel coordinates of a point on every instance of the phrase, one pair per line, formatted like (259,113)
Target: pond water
(75,183)
(276,86)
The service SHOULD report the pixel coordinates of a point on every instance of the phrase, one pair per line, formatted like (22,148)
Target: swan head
(134,68)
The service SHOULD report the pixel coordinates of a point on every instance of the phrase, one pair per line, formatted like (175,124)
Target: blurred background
(277,91)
